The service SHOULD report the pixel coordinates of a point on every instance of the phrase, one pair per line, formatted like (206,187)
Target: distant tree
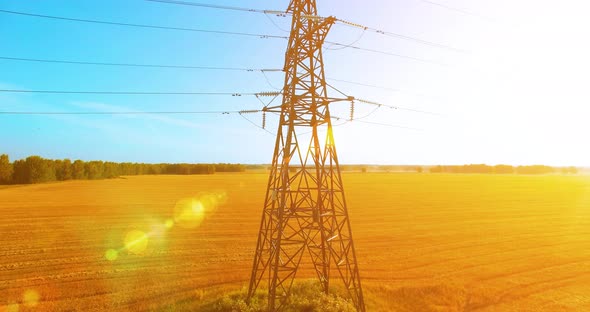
(35,169)
(20,173)
(569,170)
(39,170)
(535,169)
(478,168)
(419,169)
(66,170)
(138,169)
(126,169)
(57,165)
(51,170)
(184,169)
(6,170)
(110,170)
(94,170)
(154,169)
(436,169)
(229,168)
(503,169)
(78,170)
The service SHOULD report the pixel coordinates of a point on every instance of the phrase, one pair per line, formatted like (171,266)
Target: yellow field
(425,242)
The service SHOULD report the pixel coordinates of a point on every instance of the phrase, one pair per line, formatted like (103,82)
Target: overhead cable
(221,32)
(139,65)
(137,92)
(341,21)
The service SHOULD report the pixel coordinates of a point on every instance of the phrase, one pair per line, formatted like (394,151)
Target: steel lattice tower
(305,208)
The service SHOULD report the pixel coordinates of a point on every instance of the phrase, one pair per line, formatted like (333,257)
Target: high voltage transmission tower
(305,209)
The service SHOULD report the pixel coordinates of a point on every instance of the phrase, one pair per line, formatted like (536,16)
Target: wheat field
(425,242)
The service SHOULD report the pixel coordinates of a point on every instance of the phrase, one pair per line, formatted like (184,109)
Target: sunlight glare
(158,230)
(136,242)
(189,213)
(169,223)
(11,307)
(111,255)
(30,298)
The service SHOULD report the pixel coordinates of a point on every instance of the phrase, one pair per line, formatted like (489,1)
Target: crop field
(425,242)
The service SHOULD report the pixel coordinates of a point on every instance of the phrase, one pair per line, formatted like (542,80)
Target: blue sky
(517,98)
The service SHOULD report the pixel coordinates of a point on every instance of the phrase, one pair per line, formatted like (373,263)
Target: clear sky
(518,96)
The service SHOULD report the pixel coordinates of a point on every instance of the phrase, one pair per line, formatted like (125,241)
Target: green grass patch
(306,296)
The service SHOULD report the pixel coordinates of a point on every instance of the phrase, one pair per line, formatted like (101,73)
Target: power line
(397,107)
(354,99)
(455,9)
(374,123)
(275,24)
(342,21)
(137,93)
(241,113)
(185,93)
(263,70)
(213,6)
(268,82)
(371,113)
(350,44)
(260,94)
(417,59)
(119,113)
(255,124)
(145,25)
(366,85)
(139,65)
(140,113)
(382,88)
(400,36)
(225,33)
(387,125)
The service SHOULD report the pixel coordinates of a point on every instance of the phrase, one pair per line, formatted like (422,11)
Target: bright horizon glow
(518,98)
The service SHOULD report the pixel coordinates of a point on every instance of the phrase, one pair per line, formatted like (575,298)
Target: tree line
(35,169)
(503,169)
(472,168)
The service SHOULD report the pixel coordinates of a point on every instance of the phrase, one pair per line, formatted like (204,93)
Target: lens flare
(31,298)
(208,201)
(189,213)
(136,242)
(169,223)
(11,307)
(212,200)
(221,198)
(111,255)
(158,231)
